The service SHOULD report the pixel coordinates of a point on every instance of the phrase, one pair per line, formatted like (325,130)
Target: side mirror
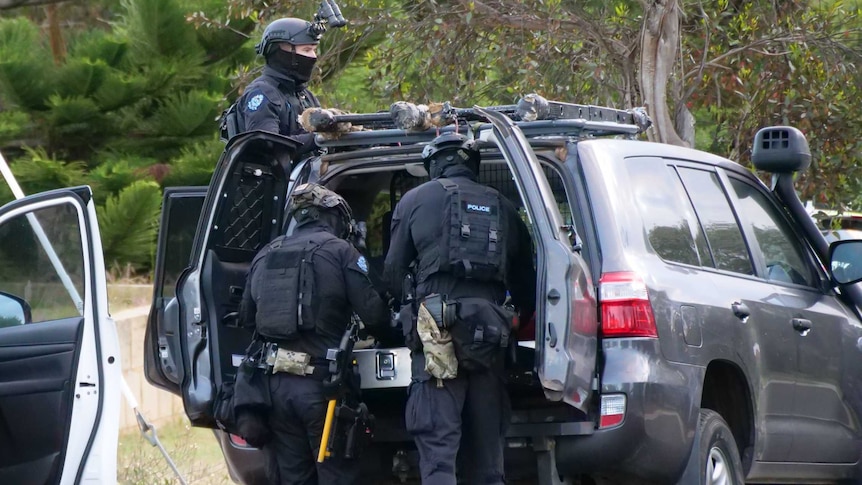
(14,311)
(780,149)
(845,259)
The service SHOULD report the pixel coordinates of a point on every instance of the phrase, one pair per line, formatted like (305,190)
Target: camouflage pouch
(437,345)
(295,363)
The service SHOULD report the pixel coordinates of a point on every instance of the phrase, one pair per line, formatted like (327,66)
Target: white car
(60,377)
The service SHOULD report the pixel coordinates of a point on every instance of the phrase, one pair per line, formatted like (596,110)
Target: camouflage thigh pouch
(440,360)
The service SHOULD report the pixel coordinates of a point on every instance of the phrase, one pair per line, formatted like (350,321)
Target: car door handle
(801,325)
(740,310)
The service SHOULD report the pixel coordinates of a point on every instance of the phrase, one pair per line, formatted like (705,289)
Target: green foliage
(12,125)
(128,224)
(195,164)
(40,172)
(113,175)
(156,29)
(25,64)
(131,102)
(184,115)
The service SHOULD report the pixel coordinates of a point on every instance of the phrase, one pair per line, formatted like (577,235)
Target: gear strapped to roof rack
(408,123)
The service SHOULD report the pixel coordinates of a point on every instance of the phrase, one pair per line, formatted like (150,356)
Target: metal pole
(43,238)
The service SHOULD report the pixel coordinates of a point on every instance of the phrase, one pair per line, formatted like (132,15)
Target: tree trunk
(58,45)
(659,44)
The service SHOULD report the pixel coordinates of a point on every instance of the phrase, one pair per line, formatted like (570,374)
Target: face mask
(295,66)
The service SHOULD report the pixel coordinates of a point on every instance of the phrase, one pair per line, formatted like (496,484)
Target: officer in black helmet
(468,246)
(274,101)
(300,294)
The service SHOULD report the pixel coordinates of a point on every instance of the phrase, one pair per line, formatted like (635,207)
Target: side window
(723,235)
(29,281)
(666,212)
(783,256)
(182,220)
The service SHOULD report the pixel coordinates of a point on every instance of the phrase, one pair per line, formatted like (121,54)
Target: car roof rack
(410,124)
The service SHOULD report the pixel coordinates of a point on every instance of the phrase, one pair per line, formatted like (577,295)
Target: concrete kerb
(158,406)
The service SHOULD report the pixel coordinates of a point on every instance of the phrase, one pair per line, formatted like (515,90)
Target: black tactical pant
(296,420)
(471,411)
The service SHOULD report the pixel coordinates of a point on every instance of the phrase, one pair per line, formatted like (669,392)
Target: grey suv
(688,329)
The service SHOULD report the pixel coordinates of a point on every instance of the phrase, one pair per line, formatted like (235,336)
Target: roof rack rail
(408,123)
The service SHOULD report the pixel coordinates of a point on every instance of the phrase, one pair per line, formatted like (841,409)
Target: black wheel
(714,457)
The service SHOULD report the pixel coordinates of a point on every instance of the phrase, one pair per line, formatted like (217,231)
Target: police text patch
(479,208)
(255,102)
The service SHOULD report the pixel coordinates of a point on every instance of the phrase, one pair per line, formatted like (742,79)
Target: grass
(194,451)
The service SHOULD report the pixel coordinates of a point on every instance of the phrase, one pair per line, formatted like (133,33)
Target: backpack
(286,288)
(471,245)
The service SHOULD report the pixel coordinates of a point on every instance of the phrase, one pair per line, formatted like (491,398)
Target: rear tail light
(238,441)
(626,310)
(613,410)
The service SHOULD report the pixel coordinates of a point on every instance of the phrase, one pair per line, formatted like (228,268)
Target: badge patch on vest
(255,102)
(479,208)
(362,263)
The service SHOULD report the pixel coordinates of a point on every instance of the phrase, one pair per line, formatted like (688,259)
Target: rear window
(666,211)
(687,216)
(719,223)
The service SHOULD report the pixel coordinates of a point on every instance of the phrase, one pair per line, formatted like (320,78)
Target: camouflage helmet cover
(308,200)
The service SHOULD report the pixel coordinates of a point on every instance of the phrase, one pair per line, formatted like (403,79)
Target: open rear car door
(566,320)
(207,240)
(181,210)
(59,356)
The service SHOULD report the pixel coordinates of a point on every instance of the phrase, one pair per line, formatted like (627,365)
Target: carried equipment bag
(242,406)
(481,333)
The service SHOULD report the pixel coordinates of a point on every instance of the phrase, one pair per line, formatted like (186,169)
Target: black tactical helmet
(311,202)
(449,149)
(291,30)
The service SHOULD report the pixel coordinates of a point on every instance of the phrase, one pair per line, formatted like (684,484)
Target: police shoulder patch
(255,101)
(362,263)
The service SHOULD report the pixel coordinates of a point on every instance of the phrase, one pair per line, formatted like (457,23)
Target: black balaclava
(295,66)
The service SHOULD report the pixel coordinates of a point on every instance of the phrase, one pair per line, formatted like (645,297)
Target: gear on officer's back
(301,292)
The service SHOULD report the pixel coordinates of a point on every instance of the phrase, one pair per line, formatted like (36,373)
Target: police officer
(274,101)
(300,294)
(472,409)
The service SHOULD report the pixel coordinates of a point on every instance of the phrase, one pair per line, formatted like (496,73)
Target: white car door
(59,355)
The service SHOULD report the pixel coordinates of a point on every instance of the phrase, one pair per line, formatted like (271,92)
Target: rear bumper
(654,440)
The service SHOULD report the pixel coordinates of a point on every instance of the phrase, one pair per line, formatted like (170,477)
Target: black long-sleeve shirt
(273,102)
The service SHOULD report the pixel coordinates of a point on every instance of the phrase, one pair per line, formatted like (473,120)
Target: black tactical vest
(470,245)
(285,286)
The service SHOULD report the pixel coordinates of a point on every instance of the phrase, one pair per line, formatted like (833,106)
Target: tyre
(714,458)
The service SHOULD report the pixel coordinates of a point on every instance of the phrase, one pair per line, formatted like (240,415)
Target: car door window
(667,213)
(27,271)
(783,256)
(723,234)
(181,224)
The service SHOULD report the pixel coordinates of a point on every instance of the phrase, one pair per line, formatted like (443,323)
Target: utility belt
(279,360)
